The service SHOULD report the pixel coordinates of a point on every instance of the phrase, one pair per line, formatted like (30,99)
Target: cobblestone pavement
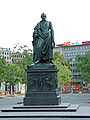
(81,99)
(9,101)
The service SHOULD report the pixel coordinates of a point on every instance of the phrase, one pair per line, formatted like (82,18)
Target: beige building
(17,57)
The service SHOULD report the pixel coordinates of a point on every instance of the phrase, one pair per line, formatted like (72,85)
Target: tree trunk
(21,88)
(0,85)
(5,86)
(11,90)
(61,88)
(25,88)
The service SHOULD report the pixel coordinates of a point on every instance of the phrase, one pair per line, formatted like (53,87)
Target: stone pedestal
(42,88)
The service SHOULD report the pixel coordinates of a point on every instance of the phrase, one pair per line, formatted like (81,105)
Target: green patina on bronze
(43,41)
(42,85)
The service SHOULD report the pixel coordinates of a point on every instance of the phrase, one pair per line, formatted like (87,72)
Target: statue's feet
(32,64)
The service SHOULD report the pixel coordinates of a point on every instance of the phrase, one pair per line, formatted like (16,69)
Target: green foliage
(14,73)
(27,53)
(27,60)
(2,68)
(11,73)
(82,64)
(64,73)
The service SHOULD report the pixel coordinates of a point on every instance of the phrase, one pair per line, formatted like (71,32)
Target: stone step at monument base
(82,112)
(62,105)
(58,108)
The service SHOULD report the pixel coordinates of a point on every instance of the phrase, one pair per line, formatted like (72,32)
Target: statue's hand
(53,45)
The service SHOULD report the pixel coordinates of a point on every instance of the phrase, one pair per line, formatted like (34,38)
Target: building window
(86,47)
(10,53)
(73,53)
(73,59)
(73,48)
(81,47)
(81,53)
(70,54)
(65,49)
(70,48)
(64,54)
(76,53)
(78,47)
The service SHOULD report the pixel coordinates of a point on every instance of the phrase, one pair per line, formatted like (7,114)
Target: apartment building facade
(17,57)
(69,52)
(6,53)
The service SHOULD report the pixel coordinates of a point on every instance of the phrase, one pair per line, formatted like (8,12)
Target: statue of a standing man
(43,41)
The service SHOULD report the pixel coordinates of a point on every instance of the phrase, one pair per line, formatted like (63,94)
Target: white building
(6,53)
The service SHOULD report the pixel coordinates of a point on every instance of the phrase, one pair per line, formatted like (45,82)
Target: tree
(2,69)
(12,74)
(26,52)
(64,73)
(82,64)
(27,60)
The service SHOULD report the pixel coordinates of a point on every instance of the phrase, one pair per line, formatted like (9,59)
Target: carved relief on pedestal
(42,82)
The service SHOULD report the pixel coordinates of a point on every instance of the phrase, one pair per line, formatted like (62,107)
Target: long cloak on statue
(43,37)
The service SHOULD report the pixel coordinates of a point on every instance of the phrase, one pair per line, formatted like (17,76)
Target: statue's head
(43,16)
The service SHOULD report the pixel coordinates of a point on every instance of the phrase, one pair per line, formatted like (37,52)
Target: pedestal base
(42,100)
(42,88)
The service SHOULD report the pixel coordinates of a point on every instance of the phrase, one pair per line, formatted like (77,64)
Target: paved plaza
(81,99)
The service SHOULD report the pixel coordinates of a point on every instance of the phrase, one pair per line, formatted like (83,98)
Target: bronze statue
(42,85)
(43,41)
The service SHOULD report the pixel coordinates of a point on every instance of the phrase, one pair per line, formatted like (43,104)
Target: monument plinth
(42,88)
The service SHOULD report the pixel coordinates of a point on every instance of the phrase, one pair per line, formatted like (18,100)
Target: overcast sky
(70,19)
